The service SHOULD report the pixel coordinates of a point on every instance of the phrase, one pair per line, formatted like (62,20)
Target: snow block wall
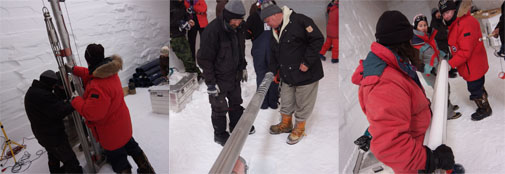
(136,30)
(357,29)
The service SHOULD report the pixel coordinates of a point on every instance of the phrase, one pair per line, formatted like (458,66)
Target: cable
(73,35)
(25,161)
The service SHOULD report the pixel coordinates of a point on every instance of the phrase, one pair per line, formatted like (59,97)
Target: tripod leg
(12,152)
(2,154)
(18,144)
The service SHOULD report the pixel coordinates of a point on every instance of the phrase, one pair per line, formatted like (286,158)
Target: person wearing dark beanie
(469,55)
(394,102)
(222,59)
(46,111)
(393,28)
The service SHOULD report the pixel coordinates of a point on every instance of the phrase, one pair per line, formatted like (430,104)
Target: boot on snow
(142,163)
(285,126)
(297,134)
(221,138)
(483,110)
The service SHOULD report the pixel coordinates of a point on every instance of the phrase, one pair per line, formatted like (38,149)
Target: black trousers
(220,107)
(192,39)
(476,88)
(118,158)
(62,153)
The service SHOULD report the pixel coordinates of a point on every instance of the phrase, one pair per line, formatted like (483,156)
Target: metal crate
(159,99)
(181,93)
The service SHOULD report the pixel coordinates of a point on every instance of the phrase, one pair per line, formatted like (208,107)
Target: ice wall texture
(357,29)
(136,30)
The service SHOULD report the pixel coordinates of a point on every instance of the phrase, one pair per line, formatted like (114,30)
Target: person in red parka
(105,111)
(197,10)
(394,101)
(331,33)
(468,52)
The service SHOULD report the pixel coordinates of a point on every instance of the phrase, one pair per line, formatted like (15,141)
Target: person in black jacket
(222,59)
(500,31)
(179,24)
(46,111)
(441,37)
(295,54)
(260,35)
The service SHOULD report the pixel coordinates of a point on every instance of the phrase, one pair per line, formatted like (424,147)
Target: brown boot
(297,134)
(483,110)
(285,126)
(142,163)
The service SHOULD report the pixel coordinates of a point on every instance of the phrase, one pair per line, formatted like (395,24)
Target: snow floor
(193,150)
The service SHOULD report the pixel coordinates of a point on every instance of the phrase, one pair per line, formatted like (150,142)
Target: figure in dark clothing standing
(260,34)
(441,37)
(500,31)
(46,111)
(179,24)
(222,58)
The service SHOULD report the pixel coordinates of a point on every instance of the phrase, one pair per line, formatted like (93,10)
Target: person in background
(46,111)
(164,62)
(441,37)
(468,52)
(331,33)
(394,101)
(197,10)
(295,45)
(424,41)
(500,31)
(260,34)
(104,108)
(179,24)
(222,59)
(220,6)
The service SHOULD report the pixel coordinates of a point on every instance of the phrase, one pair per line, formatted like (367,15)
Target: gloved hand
(190,10)
(244,76)
(184,25)
(213,90)
(440,158)
(277,78)
(69,69)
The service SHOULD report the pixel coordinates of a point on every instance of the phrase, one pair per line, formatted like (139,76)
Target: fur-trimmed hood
(110,68)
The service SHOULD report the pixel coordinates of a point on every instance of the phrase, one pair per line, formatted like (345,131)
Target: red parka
(465,42)
(103,104)
(200,9)
(332,26)
(396,107)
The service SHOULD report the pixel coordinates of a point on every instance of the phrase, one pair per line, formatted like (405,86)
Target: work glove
(190,10)
(441,158)
(244,76)
(213,90)
(184,25)
(69,69)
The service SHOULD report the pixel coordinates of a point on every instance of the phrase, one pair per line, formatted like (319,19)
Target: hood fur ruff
(109,69)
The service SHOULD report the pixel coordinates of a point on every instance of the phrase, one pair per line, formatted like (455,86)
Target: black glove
(212,90)
(69,69)
(440,158)
(363,142)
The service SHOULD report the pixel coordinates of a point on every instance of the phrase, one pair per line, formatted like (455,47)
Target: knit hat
(94,54)
(418,18)
(268,8)
(48,77)
(393,28)
(164,51)
(446,5)
(234,9)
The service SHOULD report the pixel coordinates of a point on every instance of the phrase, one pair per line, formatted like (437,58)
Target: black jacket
(46,112)
(300,42)
(222,54)
(442,33)
(255,26)
(501,24)
(178,15)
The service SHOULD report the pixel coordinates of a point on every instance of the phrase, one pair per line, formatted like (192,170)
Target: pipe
(226,160)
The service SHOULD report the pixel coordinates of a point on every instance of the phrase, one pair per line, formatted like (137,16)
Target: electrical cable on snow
(24,161)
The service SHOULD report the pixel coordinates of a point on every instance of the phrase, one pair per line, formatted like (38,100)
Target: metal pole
(231,150)
(78,120)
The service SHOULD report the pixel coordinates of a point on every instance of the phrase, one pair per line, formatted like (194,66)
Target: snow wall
(357,28)
(134,29)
